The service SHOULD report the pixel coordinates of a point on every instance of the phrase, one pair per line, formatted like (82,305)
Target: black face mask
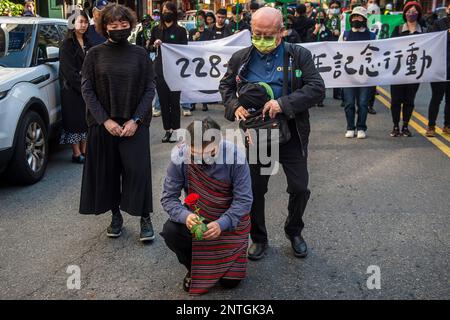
(120,36)
(357,24)
(168,17)
(290,25)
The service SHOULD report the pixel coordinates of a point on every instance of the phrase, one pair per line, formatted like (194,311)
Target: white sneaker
(187,113)
(350,134)
(156,113)
(361,134)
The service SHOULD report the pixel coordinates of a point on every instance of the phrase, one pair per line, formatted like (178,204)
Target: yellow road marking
(438,143)
(419,117)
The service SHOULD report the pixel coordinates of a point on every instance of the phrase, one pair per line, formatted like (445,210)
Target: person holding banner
(440,89)
(215,177)
(118,88)
(302,23)
(218,30)
(168,31)
(267,61)
(290,35)
(200,33)
(359,95)
(403,95)
(237,23)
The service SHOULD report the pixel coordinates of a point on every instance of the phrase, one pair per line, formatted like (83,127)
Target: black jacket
(174,34)
(231,28)
(443,25)
(71,57)
(307,90)
(206,35)
(302,24)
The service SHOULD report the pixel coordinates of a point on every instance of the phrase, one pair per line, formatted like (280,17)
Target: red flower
(192,199)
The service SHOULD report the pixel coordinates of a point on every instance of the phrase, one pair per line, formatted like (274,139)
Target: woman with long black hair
(71,57)
(168,31)
(118,87)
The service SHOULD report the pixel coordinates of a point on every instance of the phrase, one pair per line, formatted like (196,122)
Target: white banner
(200,96)
(190,68)
(412,59)
(240,39)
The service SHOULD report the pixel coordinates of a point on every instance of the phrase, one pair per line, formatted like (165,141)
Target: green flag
(383,25)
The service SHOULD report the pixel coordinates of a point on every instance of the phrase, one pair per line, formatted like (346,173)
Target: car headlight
(3,94)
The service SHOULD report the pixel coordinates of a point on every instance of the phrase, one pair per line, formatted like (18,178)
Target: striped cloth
(226,256)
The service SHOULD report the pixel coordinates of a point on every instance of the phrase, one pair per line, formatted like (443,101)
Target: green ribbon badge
(172,36)
(298,73)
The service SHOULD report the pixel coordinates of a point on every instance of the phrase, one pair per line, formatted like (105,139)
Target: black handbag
(256,120)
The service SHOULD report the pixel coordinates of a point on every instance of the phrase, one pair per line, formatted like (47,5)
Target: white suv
(29,94)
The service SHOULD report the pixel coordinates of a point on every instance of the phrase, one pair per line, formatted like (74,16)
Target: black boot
(257,251)
(115,228)
(299,246)
(166,137)
(205,107)
(147,233)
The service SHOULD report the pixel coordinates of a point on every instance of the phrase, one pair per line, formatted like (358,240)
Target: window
(48,37)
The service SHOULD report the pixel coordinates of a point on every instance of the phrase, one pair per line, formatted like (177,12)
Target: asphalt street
(377,202)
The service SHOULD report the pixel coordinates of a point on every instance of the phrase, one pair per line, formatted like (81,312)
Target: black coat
(442,25)
(71,57)
(307,90)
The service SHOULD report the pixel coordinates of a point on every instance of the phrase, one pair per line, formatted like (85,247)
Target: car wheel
(31,153)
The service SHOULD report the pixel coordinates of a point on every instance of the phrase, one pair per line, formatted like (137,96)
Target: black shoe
(205,107)
(147,233)
(115,228)
(80,159)
(187,282)
(395,132)
(257,251)
(371,110)
(166,137)
(406,132)
(299,246)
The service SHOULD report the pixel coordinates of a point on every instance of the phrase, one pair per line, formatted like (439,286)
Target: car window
(19,45)
(48,36)
(63,30)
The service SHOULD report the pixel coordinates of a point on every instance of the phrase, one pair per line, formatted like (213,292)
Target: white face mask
(333,12)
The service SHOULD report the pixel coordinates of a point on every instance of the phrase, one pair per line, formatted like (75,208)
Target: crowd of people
(110,90)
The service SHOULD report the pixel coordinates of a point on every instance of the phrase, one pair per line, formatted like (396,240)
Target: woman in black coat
(168,31)
(72,53)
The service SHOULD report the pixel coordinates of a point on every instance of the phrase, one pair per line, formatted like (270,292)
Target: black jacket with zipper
(306,90)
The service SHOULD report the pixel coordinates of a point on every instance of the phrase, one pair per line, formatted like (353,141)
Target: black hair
(172,7)
(201,13)
(113,12)
(206,124)
(301,9)
(210,14)
(335,2)
(222,11)
(71,32)
(254,6)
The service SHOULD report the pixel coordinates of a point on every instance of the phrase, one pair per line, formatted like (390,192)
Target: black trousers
(179,239)
(294,163)
(117,173)
(372,93)
(170,105)
(403,94)
(438,90)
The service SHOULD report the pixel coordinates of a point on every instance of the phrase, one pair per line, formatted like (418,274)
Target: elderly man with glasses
(264,62)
